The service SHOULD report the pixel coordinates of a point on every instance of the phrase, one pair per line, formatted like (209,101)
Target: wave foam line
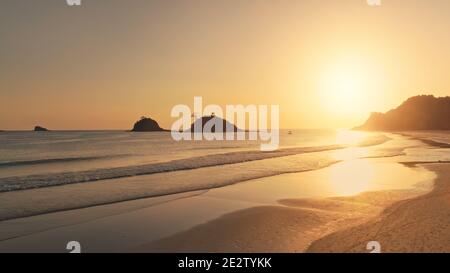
(55,179)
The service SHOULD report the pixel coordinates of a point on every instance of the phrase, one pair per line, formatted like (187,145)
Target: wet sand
(419,223)
(34,202)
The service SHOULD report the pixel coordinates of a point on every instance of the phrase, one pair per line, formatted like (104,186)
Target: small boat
(289,132)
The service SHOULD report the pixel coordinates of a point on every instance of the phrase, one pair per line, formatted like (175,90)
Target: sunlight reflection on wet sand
(342,179)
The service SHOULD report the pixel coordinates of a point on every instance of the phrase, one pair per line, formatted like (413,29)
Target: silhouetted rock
(424,112)
(147,125)
(201,122)
(40,129)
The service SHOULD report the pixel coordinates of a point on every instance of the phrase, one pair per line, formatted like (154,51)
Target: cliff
(424,112)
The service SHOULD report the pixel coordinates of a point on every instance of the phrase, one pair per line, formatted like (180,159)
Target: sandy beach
(344,224)
(420,224)
(395,193)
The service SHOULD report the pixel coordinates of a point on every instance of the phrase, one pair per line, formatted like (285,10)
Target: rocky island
(146,124)
(201,122)
(40,129)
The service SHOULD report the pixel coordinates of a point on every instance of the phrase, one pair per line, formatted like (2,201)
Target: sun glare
(345,86)
(343,90)
(351,177)
(349,138)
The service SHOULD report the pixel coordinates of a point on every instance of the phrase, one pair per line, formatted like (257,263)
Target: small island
(424,112)
(146,124)
(40,129)
(201,122)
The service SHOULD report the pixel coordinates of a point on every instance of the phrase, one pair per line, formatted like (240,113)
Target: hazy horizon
(328,64)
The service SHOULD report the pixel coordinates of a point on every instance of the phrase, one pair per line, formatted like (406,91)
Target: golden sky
(327,63)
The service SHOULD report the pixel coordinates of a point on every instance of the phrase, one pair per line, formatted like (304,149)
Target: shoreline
(293,212)
(138,226)
(52,199)
(135,188)
(291,226)
(418,135)
(415,225)
(18,183)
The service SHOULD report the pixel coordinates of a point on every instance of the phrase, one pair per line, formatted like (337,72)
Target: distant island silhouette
(146,124)
(201,122)
(40,129)
(424,112)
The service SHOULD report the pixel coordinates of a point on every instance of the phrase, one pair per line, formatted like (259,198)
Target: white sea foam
(87,157)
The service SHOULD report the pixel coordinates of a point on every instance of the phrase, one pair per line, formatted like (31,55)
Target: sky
(326,63)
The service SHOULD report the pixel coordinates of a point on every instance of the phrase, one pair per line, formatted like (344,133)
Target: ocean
(40,159)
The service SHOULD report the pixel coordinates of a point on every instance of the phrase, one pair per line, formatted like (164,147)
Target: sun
(343,87)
